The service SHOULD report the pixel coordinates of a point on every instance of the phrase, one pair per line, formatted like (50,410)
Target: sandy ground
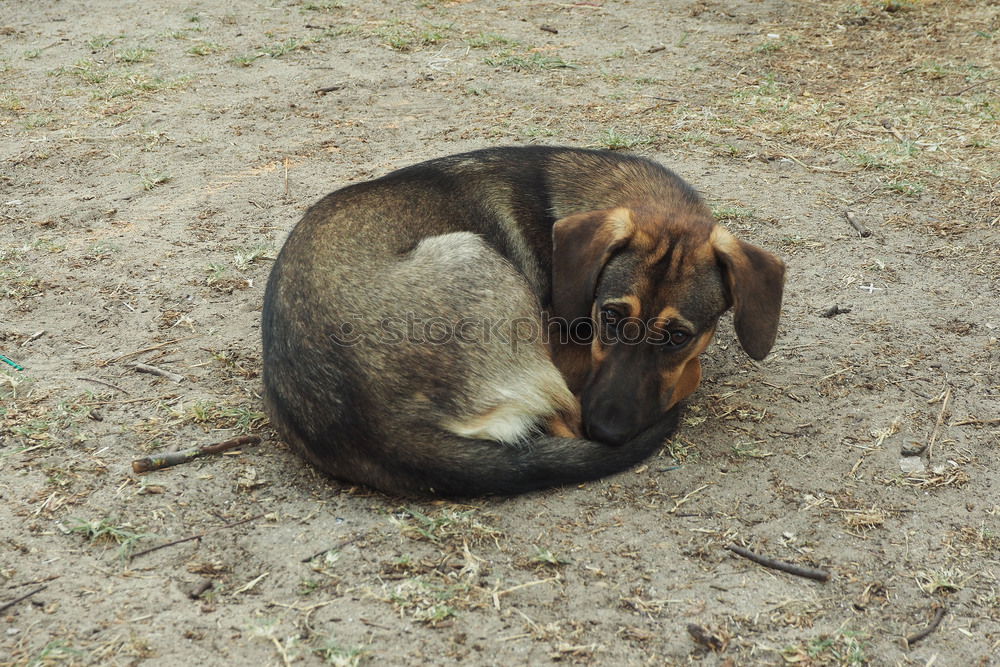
(154,156)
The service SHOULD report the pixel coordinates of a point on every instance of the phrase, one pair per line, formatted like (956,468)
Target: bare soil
(154,156)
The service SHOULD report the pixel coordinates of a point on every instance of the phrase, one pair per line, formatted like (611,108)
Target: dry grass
(909,97)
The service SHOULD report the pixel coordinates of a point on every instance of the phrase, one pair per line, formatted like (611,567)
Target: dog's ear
(581,245)
(755,279)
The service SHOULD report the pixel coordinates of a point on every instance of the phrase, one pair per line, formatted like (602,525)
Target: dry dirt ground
(154,156)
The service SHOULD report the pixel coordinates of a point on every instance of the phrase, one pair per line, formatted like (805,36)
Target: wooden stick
(195,537)
(126,401)
(973,420)
(968,88)
(862,231)
(7,605)
(813,167)
(937,424)
(161,461)
(935,622)
(151,348)
(37,581)
(33,337)
(328,89)
(774,564)
(891,129)
(336,547)
(153,370)
(106,384)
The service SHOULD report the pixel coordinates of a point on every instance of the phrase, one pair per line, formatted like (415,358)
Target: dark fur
(377,412)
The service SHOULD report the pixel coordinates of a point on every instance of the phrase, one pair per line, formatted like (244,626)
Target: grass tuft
(525,63)
(614,140)
(204,49)
(134,55)
(103,531)
(152,180)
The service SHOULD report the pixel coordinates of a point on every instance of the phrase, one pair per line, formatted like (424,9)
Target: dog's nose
(609,430)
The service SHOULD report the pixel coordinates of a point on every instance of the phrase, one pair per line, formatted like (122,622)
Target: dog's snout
(609,434)
(609,425)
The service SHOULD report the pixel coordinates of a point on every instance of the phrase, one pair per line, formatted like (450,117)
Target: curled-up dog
(502,320)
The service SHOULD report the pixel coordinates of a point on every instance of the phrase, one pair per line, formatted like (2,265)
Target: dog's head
(651,285)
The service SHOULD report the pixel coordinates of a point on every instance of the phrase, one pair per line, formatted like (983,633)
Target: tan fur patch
(683,379)
(510,423)
(704,254)
(673,316)
(598,353)
(633,303)
(646,233)
(687,382)
(619,223)
(518,407)
(566,426)
(722,241)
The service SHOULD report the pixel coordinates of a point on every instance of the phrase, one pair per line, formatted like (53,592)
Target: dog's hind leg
(489,347)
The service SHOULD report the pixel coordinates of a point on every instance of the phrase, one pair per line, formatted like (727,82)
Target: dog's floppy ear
(755,279)
(581,245)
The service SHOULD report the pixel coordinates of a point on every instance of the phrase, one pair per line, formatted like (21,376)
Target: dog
(502,320)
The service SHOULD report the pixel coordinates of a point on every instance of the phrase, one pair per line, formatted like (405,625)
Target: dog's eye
(611,317)
(677,338)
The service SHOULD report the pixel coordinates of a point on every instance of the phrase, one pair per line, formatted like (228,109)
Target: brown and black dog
(502,320)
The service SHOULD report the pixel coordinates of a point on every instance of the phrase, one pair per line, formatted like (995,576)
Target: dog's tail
(467,467)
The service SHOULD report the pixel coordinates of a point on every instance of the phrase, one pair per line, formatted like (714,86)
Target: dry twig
(161,461)
(774,564)
(970,87)
(931,627)
(891,129)
(153,370)
(811,167)
(151,348)
(195,537)
(977,422)
(946,397)
(678,503)
(33,337)
(7,605)
(106,384)
(336,547)
(328,89)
